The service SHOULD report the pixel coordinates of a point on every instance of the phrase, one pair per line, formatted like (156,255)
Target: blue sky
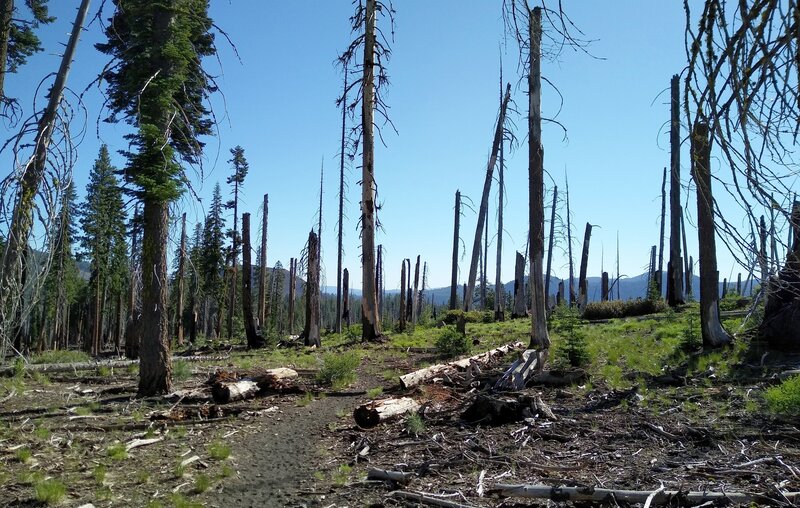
(279,104)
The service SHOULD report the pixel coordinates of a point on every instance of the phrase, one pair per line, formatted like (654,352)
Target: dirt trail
(277,458)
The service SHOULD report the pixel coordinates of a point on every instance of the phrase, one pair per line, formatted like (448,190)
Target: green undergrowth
(61,356)
(784,399)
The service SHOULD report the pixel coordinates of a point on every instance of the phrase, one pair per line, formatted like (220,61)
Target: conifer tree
(158,86)
(18,39)
(240,169)
(212,261)
(102,219)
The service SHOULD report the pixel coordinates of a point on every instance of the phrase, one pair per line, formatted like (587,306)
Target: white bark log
(378,411)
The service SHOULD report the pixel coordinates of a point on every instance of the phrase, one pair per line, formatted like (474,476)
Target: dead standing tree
(454,273)
(262,272)
(254,338)
(29,185)
(583,288)
(181,284)
(675,263)
(376,51)
(550,245)
(484,208)
(311,332)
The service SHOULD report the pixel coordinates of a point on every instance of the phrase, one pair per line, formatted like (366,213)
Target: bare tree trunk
(7,11)
(346,297)
(132,326)
(616,282)
(520,305)
(415,296)
(652,285)
(454,273)
(409,290)
(262,273)
(22,219)
(292,284)
(583,288)
(604,287)
(340,223)
(560,294)
(420,295)
(739,284)
(234,259)
(660,268)
(687,259)
(371,324)
(311,333)
(181,275)
(674,275)
(499,308)
(572,297)
(781,316)
(254,338)
(762,253)
(401,322)
(94,348)
(484,262)
(483,210)
(539,337)
(155,362)
(379,281)
(550,245)
(713,333)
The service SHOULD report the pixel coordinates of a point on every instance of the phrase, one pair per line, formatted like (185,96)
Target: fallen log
(378,411)
(529,363)
(428,499)
(136,443)
(657,497)
(558,378)
(386,475)
(226,387)
(445,369)
(93,365)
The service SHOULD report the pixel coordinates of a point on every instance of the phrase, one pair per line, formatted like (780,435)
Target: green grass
(179,501)
(339,370)
(181,370)
(60,356)
(374,393)
(784,399)
(49,492)
(23,455)
(202,483)
(104,371)
(218,450)
(342,475)
(99,473)
(117,452)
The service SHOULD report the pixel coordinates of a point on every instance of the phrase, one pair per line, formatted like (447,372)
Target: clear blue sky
(278,103)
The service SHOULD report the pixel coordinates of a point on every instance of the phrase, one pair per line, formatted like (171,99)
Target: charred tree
(687,259)
(311,332)
(254,337)
(583,288)
(604,287)
(782,309)
(713,333)
(454,273)
(401,322)
(346,297)
(572,296)
(379,281)
(675,264)
(415,296)
(520,303)
(550,245)
(483,210)
(262,272)
(340,224)
(181,276)
(660,267)
(292,292)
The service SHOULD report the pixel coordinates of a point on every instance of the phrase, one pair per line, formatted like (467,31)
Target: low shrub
(450,317)
(451,343)
(623,308)
(573,351)
(785,398)
(733,301)
(339,370)
(50,492)
(415,424)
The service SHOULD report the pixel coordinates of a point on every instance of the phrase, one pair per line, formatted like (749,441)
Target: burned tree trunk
(687,259)
(379,280)
(781,322)
(572,297)
(550,245)
(520,304)
(560,294)
(311,333)
(181,275)
(415,296)
(454,274)
(292,289)
(762,253)
(604,287)
(409,299)
(652,285)
(660,266)
(483,210)
(583,289)
(132,326)
(346,297)
(262,273)
(713,333)
(674,275)
(539,336)
(254,337)
(401,323)
(484,263)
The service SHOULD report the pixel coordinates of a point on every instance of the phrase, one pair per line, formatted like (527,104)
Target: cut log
(529,363)
(71,367)
(224,392)
(632,496)
(500,410)
(228,387)
(392,476)
(378,411)
(422,375)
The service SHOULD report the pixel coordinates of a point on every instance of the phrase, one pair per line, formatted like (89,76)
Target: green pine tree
(240,169)
(212,260)
(158,86)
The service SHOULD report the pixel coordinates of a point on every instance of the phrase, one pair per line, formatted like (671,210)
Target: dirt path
(277,459)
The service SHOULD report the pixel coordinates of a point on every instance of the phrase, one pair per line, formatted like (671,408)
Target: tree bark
(454,273)
(292,296)
(520,305)
(675,264)
(346,297)
(22,218)
(181,275)
(713,333)
(550,246)
(539,337)
(254,338)
(401,322)
(415,296)
(583,289)
(371,325)
(660,267)
(483,210)
(262,273)
(604,287)
(311,333)
(155,363)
